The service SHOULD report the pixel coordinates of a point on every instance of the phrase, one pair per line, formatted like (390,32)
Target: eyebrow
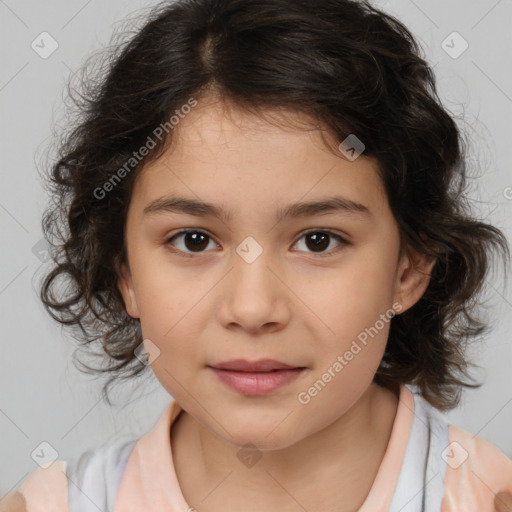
(175,204)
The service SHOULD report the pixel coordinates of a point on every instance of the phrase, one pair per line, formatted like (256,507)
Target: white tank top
(94,477)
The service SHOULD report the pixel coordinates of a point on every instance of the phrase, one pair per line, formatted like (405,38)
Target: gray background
(42,396)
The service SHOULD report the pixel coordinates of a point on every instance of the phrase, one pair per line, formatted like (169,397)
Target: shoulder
(13,503)
(478,475)
(45,489)
(94,475)
(463,471)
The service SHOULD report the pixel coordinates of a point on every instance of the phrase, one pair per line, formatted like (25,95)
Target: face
(258,277)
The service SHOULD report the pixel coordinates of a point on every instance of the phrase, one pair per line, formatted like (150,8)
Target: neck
(336,465)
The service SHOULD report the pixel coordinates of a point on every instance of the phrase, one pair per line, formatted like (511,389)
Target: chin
(259,439)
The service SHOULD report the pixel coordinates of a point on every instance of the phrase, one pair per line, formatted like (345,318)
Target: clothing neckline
(384,485)
(150,476)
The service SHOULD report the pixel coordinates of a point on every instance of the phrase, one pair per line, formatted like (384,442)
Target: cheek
(165,292)
(354,295)
(172,306)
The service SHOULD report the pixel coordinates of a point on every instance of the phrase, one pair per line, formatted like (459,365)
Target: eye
(193,240)
(318,241)
(196,241)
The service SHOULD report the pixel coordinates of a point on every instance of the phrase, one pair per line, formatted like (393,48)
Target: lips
(262,365)
(256,378)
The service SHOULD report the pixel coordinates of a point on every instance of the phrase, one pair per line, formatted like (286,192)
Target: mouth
(256,378)
(262,365)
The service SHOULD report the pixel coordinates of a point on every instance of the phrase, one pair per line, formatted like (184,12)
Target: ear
(413,277)
(125,286)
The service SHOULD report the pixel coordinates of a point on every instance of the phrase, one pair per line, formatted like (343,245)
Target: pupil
(320,241)
(195,241)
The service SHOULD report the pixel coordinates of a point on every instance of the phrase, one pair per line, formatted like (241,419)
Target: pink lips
(255,378)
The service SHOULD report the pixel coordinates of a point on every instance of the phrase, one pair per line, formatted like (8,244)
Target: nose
(254,296)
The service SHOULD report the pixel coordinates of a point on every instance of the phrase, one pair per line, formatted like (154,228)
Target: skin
(503,502)
(14,502)
(291,304)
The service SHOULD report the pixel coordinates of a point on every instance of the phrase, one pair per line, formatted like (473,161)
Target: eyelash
(339,238)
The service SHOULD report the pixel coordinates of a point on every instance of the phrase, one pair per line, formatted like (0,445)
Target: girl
(264,203)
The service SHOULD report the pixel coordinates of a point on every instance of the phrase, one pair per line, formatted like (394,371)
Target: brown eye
(319,241)
(191,241)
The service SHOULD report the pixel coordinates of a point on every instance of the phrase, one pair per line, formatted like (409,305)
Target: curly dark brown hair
(344,63)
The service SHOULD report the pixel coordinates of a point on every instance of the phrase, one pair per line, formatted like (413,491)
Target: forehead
(222,154)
